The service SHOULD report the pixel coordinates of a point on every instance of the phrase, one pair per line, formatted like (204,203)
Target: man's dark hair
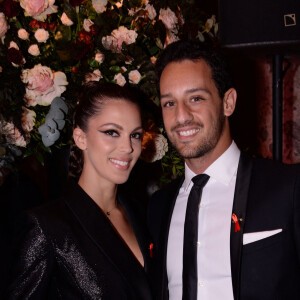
(195,50)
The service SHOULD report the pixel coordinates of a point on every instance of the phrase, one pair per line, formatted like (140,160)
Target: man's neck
(200,164)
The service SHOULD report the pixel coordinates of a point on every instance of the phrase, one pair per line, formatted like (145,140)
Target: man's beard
(206,144)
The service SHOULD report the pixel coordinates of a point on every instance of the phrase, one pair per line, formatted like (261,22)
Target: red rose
(75,2)
(10,8)
(52,26)
(85,36)
(15,56)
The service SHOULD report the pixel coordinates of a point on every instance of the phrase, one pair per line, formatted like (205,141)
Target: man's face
(192,108)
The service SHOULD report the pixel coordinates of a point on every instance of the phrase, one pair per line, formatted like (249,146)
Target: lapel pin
(236,222)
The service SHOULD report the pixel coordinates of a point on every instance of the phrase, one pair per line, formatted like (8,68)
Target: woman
(89,244)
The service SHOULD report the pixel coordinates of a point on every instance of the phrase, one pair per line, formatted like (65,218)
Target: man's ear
(229,102)
(79,137)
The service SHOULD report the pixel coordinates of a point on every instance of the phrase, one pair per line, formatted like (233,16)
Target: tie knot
(200,180)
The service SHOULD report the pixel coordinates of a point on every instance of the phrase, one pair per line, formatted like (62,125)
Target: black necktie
(189,272)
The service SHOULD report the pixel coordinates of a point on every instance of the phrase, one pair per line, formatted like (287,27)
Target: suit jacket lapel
(171,195)
(103,235)
(239,209)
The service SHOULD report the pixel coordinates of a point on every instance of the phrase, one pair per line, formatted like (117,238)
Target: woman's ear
(79,137)
(229,102)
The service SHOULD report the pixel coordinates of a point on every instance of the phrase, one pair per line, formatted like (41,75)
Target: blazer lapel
(171,195)
(239,209)
(106,239)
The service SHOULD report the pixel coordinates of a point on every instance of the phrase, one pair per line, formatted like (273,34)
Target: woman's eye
(112,133)
(137,135)
(168,104)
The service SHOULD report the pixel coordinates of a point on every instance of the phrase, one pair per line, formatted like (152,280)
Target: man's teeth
(120,162)
(188,132)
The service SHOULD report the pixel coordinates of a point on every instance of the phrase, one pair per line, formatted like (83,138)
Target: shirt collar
(222,169)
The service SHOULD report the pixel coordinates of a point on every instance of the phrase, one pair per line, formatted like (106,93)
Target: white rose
(99,5)
(161,145)
(28,119)
(23,34)
(87,23)
(41,35)
(151,11)
(99,57)
(134,76)
(3,25)
(65,20)
(34,50)
(210,23)
(120,79)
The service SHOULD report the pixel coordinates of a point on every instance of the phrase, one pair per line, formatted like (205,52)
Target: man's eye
(196,99)
(137,135)
(112,133)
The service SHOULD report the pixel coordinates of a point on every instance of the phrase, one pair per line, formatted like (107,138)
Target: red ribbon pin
(236,222)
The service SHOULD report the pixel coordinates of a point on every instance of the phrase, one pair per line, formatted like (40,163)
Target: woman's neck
(104,195)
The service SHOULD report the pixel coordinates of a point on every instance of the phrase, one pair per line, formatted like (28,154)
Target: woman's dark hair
(93,97)
(195,50)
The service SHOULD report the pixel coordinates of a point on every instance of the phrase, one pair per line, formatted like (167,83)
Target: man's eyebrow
(189,91)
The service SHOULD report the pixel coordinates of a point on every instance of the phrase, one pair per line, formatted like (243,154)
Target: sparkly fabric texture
(68,249)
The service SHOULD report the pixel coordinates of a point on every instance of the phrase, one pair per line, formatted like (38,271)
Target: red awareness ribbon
(151,250)
(236,222)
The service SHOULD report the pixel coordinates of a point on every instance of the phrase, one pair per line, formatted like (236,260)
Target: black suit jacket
(69,250)
(267,197)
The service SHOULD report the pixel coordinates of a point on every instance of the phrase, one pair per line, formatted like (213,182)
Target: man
(248,230)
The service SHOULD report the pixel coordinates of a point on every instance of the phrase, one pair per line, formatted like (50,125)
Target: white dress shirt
(214,225)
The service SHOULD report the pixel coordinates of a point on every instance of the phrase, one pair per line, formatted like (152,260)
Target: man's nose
(183,113)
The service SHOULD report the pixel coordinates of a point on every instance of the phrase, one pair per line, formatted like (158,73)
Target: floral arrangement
(49,48)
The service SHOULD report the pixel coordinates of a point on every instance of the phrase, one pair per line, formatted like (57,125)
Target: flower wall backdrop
(49,48)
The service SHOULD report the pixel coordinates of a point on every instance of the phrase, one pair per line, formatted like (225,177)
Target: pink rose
(41,35)
(134,76)
(99,57)
(114,41)
(95,76)
(3,25)
(168,17)
(151,11)
(23,34)
(43,84)
(66,20)
(28,119)
(39,78)
(13,135)
(34,50)
(87,23)
(38,9)
(99,5)
(120,79)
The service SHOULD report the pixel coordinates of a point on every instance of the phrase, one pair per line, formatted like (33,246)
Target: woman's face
(112,142)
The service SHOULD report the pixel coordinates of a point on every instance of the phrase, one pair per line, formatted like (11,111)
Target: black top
(68,249)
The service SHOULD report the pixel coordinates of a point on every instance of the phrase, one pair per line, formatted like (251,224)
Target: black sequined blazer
(69,250)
